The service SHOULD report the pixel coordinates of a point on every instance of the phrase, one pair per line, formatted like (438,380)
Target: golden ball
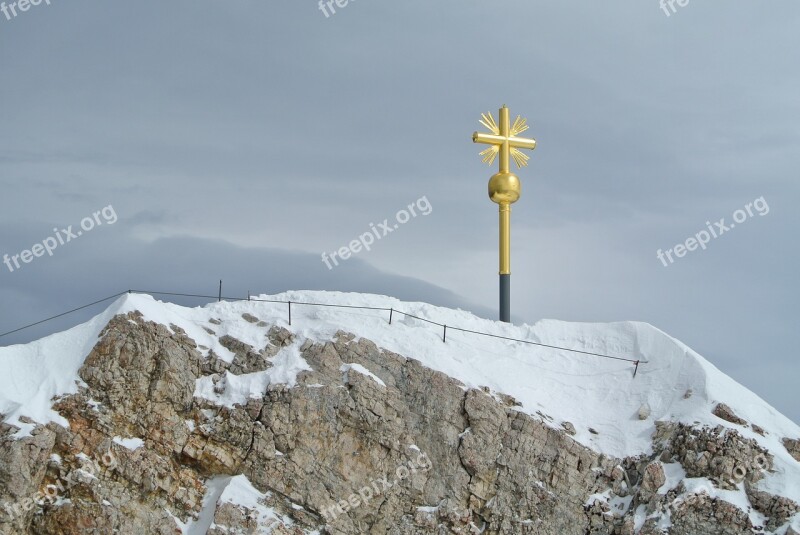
(504,188)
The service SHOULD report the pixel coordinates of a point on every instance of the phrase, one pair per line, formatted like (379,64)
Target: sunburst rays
(488,121)
(520,158)
(490,154)
(520,125)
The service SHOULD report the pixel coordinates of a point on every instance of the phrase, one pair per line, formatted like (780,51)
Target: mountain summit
(156,418)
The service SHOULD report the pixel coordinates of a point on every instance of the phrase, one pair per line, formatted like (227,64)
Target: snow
(620,505)
(199,526)
(36,372)
(427,509)
(563,386)
(239,388)
(701,485)
(236,490)
(129,443)
(674,473)
(599,496)
(345,368)
(617,505)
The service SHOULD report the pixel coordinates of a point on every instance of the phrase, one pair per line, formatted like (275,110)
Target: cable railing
(391,310)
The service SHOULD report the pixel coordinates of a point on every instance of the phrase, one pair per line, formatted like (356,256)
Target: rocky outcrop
(793,447)
(404,451)
(726,413)
(702,514)
(777,509)
(722,455)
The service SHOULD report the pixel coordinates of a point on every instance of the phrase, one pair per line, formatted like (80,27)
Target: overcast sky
(241,139)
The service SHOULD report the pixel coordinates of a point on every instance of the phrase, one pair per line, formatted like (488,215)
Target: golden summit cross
(504,187)
(504,140)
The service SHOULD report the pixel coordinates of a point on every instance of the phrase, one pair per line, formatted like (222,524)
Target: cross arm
(491,139)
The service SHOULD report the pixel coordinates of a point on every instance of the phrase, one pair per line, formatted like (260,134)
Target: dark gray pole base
(505,298)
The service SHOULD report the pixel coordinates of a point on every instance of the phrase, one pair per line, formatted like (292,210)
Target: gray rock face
(342,453)
(701,514)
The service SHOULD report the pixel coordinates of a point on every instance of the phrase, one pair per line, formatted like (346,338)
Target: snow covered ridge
(584,392)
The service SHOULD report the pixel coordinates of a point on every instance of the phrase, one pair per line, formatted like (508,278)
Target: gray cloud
(107,262)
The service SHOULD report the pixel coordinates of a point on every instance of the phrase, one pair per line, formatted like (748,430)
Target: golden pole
(505,238)
(504,186)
